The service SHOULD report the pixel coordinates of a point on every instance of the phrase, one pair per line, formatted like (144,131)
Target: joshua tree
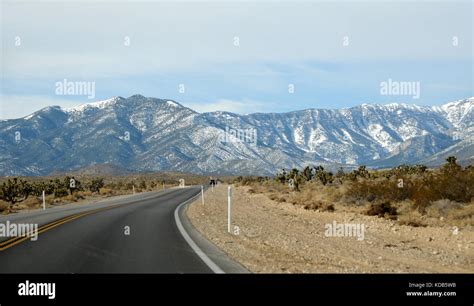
(15,190)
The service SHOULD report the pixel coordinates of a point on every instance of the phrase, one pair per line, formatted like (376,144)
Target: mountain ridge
(149,134)
(436,108)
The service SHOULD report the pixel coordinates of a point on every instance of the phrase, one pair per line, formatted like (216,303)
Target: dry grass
(30,203)
(86,193)
(70,198)
(414,219)
(442,208)
(106,191)
(462,217)
(3,207)
(377,196)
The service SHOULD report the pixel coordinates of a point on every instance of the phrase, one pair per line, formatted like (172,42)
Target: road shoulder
(219,257)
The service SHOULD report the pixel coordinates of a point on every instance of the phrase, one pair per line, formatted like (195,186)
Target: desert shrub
(296,178)
(464,216)
(307,173)
(281,176)
(322,175)
(249,180)
(455,183)
(406,170)
(381,189)
(96,184)
(273,196)
(382,209)
(361,172)
(119,185)
(423,187)
(340,176)
(60,192)
(38,187)
(328,207)
(366,190)
(319,205)
(441,208)
(451,182)
(309,198)
(15,190)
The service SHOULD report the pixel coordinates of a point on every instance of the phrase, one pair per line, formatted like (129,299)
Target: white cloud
(18,106)
(244,106)
(280,42)
(87,38)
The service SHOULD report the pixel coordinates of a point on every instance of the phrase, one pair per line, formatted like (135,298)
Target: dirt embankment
(280,237)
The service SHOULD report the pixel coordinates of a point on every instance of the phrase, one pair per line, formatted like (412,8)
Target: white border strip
(212,265)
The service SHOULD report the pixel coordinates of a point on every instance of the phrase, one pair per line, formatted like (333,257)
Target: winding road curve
(93,238)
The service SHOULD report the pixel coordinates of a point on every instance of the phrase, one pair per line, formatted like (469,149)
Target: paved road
(97,242)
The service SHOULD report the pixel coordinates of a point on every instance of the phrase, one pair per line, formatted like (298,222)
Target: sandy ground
(281,238)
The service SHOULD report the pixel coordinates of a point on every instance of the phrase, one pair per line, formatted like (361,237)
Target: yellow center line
(16,240)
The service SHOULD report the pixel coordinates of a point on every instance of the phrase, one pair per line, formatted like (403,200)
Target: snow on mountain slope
(149,134)
(99,105)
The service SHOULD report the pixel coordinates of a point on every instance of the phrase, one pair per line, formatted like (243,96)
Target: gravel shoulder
(271,237)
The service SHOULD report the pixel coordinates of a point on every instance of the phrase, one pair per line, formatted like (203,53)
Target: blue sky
(335,54)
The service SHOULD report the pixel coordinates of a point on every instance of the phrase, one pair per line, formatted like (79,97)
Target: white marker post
(202,194)
(133,189)
(44,201)
(229,206)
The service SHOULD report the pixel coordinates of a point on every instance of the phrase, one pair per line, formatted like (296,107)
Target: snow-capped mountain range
(149,134)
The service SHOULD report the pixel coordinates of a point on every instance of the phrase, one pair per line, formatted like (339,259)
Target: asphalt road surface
(97,242)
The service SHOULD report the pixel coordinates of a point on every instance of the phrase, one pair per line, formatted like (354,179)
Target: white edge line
(212,265)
